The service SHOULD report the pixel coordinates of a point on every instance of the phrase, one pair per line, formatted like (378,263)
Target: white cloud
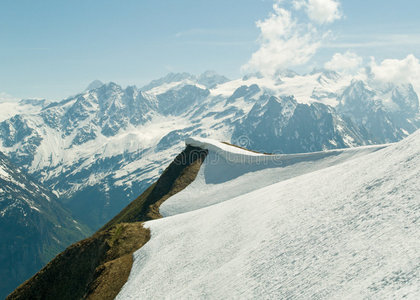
(286,42)
(348,62)
(283,43)
(320,11)
(406,70)
(4,97)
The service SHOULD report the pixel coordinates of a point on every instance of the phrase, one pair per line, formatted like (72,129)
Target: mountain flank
(34,226)
(98,267)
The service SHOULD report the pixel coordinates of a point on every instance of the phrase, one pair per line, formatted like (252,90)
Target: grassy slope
(98,267)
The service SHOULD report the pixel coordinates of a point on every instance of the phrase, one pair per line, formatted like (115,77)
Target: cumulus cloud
(283,43)
(320,11)
(348,62)
(406,70)
(286,42)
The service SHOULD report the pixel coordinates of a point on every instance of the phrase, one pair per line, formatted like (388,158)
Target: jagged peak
(209,73)
(357,86)
(94,85)
(169,78)
(211,79)
(112,84)
(248,76)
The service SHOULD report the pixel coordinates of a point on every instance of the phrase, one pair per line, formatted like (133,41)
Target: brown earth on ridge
(99,266)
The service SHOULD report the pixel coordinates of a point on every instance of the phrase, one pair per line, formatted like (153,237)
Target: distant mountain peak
(169,78)
(286,73)
(94,85)
(252,75)
(210,79)
(209,73)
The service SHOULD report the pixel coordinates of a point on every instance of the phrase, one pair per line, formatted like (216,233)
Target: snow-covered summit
(94,85)
(208,79)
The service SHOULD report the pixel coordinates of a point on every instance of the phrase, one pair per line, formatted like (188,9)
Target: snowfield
(230,171)
(332,225)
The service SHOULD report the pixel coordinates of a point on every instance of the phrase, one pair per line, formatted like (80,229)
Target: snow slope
(339,230)
(229,172)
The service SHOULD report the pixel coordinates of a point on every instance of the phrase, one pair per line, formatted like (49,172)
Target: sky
(55,48)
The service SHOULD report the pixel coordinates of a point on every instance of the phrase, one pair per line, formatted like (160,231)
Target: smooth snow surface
(346,231)
(230,171)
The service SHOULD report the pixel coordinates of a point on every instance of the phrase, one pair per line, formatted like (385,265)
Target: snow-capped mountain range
(101,148)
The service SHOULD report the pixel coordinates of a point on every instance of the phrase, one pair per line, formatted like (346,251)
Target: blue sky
(53,49)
